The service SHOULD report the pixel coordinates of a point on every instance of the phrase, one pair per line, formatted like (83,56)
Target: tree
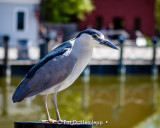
(157,14)
(64,10)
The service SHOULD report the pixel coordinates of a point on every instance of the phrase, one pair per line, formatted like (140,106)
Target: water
(122,102)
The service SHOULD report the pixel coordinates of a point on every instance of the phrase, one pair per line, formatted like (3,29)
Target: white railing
(130,52)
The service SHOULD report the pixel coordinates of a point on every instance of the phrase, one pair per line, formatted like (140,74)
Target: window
(118,23)
(99,22)
(137,24)
(20,20)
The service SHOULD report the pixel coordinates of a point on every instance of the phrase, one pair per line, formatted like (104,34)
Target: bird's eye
(94,36)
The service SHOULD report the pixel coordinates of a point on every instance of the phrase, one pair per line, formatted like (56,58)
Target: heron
(60,68)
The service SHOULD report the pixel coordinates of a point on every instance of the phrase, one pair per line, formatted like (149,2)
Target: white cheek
(102,36)
(94,43)
(89,40)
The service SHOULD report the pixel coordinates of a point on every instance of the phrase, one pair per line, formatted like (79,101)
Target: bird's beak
(107,43)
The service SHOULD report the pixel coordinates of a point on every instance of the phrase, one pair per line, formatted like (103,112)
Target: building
(130,15)
(18,21)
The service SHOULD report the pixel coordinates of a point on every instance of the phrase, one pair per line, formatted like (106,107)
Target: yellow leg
(54,100)
(46,110)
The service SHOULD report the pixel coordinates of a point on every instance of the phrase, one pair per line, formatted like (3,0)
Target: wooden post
(121,69)
(49,125)
(5,41)
(154,69)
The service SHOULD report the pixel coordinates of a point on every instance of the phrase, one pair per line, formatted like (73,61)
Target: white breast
(83,54)
(78,69)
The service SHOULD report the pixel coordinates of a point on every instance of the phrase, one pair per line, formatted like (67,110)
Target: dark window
(99,22)
(137,24)
(20,20)
(118,23)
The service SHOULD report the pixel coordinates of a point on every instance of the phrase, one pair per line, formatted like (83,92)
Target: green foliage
(64,10)
(157,14)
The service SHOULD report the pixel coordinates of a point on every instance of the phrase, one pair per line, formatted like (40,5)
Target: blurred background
(121,87)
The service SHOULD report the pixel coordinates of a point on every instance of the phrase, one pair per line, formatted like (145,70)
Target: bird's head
(94,38)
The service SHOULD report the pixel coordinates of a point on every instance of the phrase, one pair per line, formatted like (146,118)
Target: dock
(49,125)
(132,58)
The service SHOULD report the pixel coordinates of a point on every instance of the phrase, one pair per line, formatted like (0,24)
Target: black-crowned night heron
(60,68)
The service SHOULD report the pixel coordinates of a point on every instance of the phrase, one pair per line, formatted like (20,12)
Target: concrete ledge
(49,125)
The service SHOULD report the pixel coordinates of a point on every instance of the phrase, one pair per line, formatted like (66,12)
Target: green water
(124,102)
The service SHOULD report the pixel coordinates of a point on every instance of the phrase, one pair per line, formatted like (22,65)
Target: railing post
(5,41)
(121,69)
(44,47)
(154,69)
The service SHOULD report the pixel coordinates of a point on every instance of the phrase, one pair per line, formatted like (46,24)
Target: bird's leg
(54,100)
(46,110)
(46,107)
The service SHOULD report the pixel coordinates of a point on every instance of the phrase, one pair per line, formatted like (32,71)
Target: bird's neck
(81,49)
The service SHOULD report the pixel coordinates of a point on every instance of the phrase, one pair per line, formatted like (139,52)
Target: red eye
(94,36)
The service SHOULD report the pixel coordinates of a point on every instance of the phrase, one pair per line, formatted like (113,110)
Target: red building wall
(128,10)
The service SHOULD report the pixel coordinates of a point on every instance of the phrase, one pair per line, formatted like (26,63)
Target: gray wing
(52,72)
(60,50)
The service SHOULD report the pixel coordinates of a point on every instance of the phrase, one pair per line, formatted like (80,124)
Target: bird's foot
(60,121)
(52,121)
(49,121)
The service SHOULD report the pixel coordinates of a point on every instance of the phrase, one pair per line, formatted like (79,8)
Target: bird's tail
(20,92)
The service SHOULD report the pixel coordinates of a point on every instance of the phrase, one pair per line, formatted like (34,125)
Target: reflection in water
(102,98)
(154,120)
(120,97)
(85,95)
(5,90)
(4,98)
(154,90)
